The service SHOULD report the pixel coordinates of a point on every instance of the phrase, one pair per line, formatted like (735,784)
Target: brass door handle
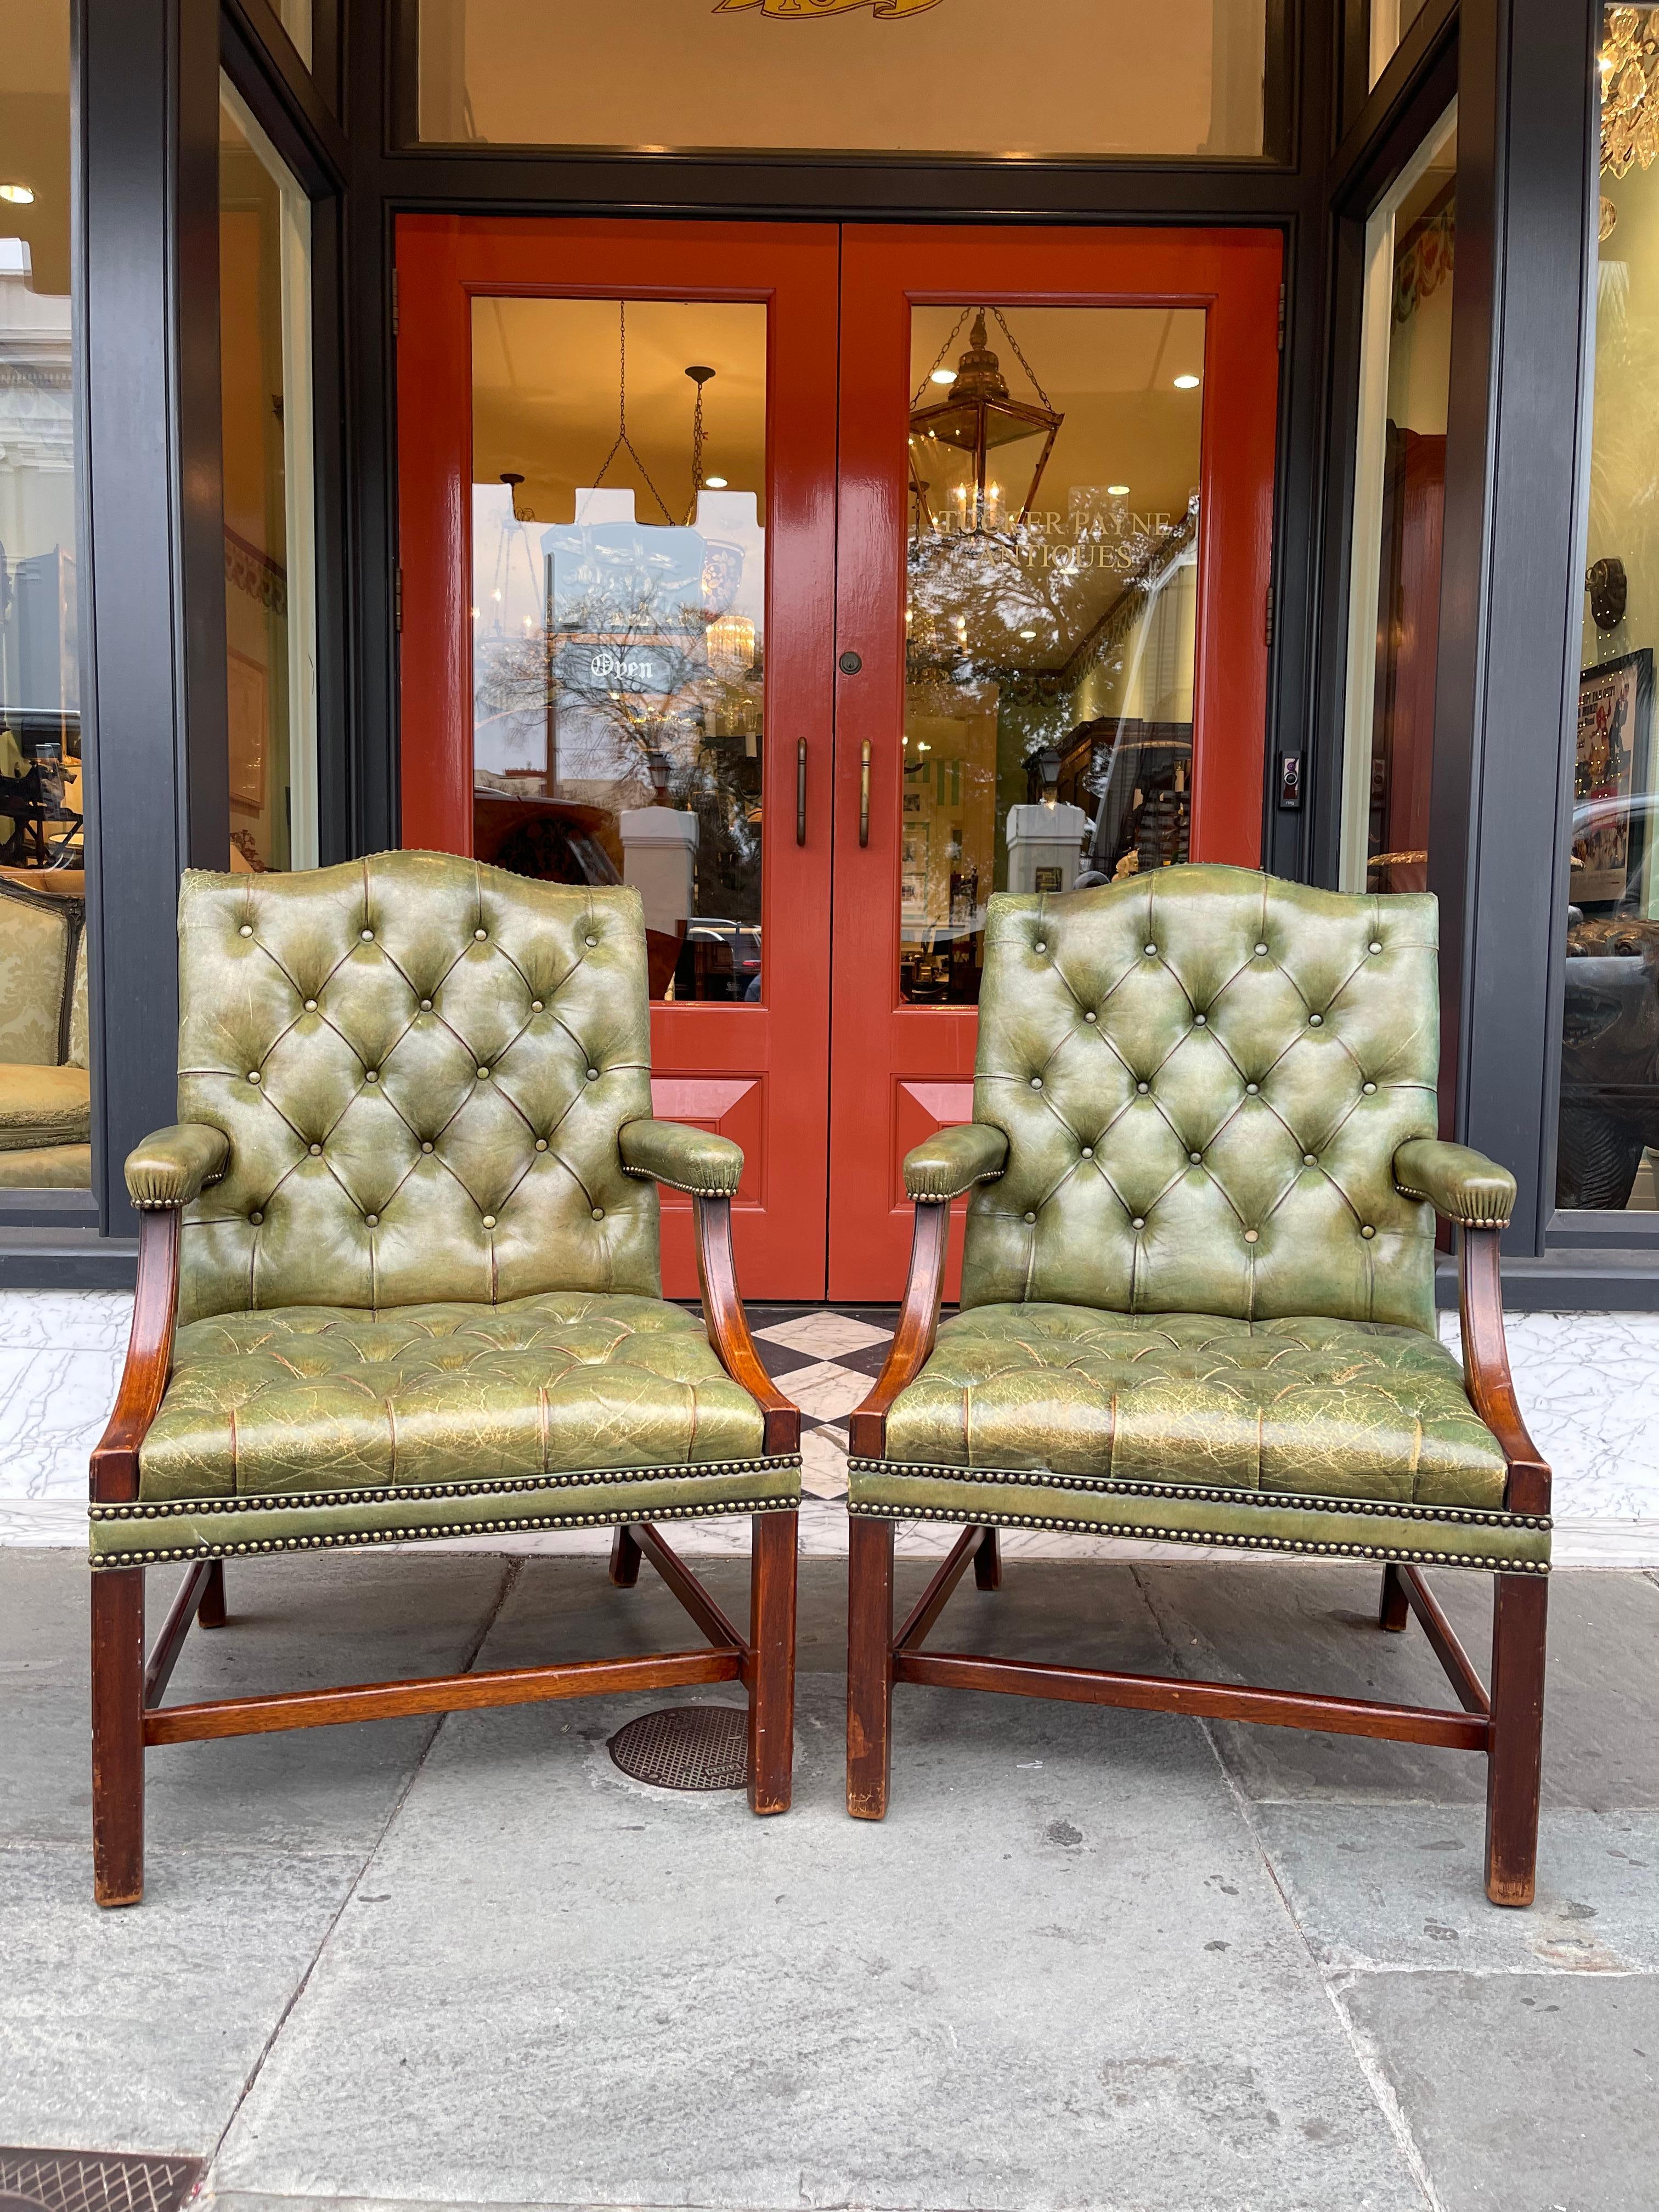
(864,796)
(800,791)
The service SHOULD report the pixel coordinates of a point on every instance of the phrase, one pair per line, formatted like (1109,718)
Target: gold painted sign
(797,10)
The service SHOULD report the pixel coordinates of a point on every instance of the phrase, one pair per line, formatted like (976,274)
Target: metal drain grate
(93,2181)
(686,1747)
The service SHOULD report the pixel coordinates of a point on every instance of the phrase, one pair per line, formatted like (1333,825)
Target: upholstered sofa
(46,1111)
(1198,1304)
(397,1279)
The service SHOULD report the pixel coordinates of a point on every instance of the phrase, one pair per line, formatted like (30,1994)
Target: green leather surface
(1205,1126)
(46,1167)
(689,1159)
(951,1161)
(317,1399)
(171,1166)
(1463,1184)
(35,934)
(421,1065)
(44,1106)
(1309,1407)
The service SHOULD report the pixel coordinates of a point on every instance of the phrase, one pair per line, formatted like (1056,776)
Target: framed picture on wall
(1613,780)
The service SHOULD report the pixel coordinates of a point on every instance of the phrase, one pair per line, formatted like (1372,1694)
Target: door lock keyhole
(851,663)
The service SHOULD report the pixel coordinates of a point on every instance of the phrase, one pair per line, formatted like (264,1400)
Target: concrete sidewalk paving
(1091,1959)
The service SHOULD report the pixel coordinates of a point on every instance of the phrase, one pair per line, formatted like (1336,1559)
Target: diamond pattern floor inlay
(826,1360)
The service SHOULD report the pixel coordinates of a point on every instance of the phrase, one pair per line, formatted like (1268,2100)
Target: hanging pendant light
(953,440)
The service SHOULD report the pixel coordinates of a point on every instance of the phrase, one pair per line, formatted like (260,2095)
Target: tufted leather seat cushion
(1204,1075)
(421,1065)
(320,1398)
(1347,1409)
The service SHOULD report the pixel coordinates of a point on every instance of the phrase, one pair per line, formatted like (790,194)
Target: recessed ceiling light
(715,484)
(1186,384)
(943,376)
(19,195)
(1028,635)
(1117,491)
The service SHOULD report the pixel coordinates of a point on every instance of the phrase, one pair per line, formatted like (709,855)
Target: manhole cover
(93,2181)
(686,1747)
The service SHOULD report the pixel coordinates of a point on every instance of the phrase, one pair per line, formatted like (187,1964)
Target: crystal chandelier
(1630,91)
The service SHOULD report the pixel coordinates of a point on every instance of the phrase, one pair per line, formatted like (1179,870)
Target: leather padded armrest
(174,1166)
(1463,1185)
(686,1160)
(953,1161)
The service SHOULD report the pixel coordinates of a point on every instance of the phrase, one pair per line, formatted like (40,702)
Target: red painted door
(1056,467)
(617,637)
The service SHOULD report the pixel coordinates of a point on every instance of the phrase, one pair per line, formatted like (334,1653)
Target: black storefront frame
(147,131)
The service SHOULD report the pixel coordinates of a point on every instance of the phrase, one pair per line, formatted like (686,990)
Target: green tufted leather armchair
(398,1279)
(1198,1304)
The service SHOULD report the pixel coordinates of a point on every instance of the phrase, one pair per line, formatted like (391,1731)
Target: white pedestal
(659,849)
(1042,841)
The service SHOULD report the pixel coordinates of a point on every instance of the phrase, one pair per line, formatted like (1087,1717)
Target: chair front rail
(436,1693)
(728,1325)
(1486,1369)
(918,1326)
(149,1361)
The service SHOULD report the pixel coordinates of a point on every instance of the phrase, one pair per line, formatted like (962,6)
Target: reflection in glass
(265,373)
(1608,1136)
(1053,462)
(1390,20)
(1399,498)
(619,607)
(40,801)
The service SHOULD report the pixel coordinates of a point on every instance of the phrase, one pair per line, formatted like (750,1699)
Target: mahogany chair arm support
(1486,1369)
(149,1359)
(917,1325)
(728,1325)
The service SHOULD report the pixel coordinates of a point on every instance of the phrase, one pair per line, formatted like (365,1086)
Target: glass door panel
(1051,597)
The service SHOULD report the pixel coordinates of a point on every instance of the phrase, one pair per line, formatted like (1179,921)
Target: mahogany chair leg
(1393,1611)
(869,1666)
(772,1663)
(1514,1756)
(211,1614)
(624,1560)
(988,1562)
(117,1735)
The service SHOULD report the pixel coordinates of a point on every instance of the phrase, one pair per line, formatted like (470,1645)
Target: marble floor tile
(824,1463)
(825,1391)
(53,1405)
(65,1320)
(826,1333)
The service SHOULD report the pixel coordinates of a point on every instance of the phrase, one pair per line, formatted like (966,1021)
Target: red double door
(944,652)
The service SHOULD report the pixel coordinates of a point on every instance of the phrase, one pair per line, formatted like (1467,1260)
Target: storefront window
(1609,1115)
(1050,622)
(910,77)
(619,614)
(44,1141)
(1399,487)
(264,355)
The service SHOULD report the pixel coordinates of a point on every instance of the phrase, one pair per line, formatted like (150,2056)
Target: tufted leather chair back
(421,1065)
(1204,1075)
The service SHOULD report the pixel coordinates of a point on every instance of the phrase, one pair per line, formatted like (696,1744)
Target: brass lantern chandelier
(959,435)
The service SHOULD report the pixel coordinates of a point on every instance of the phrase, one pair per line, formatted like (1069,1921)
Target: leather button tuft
(316,1151)
(480,935)
(367,936)
(311,1006)
(1031,1217)
(541,1144)
(253,1075)
(1197,1159)
(371,1220)
(1368,1231)
(1252,1236)
(1377,944)
(1368,1088)
(426,1144)
(1261,948)
(1251,1090)
(1315,1021)
(592,1074)
(256,1218)
(426,1005)
(1151,948)
(1088,1152)
(1309,1159)
(247,930)
(1037,1082)
(484,1075)
(1092,1017)
(489,1221)
(1139,1222)
(1143,1088)
(591,942)
(1042,945)
(371,1075)
(1200,1019)
(535,1006)
(598,1214)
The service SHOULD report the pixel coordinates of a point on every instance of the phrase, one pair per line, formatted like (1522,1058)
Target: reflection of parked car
(719,959)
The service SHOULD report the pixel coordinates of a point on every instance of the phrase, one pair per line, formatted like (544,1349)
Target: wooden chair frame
(128,1716)
(1505,1722)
